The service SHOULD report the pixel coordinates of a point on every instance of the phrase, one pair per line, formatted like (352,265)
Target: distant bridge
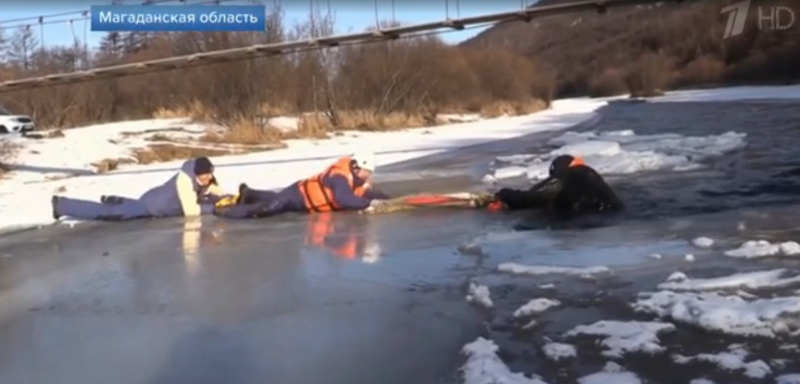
(265,50)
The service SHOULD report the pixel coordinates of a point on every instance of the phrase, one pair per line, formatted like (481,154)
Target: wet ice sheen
(789,378)
(621,337)
(621,152)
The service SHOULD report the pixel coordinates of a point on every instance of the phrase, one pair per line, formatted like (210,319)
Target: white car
(10,123)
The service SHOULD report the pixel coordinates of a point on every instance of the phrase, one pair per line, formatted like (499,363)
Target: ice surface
(483,366)
(559,351)
(751,280)
(732,360)
(703,242)
(611,373)
(754,249)
(623,152)
(479,294)
(789,378)
(536,306)
(623,337)
(536,270)
(727,314)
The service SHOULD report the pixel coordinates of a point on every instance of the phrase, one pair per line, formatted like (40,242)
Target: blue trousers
(117,210)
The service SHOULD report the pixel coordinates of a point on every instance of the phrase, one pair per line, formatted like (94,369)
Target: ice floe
(754,249)
(775,278)
(703,242)
(732,360)
(559,351)
(621,337)
(479,294)
(621,152)
(727,314)
(611,373)
(483,366)
(535,306)
(536,270)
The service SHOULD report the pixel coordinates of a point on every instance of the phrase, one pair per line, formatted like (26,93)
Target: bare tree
(22,46)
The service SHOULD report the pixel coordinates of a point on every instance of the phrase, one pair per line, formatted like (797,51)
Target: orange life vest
(320,227)
(318,197)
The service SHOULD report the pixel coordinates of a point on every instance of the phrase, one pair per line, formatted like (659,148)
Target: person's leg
(114,199)
(249,195)
(89,210)
(283,201)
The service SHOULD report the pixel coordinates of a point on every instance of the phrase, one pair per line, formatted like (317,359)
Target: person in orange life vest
(572,188)
(343,186)
(344,236)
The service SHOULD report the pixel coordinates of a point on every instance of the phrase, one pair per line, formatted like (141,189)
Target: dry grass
(7,150)
(159,153)
(512,108)
(195,110)
(318,125)
(245,131)
(108,165)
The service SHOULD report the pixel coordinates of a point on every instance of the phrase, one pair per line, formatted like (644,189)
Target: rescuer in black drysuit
(573,189)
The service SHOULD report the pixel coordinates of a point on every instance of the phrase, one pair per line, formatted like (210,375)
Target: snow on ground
(537,270)
(483,366)
(621,152)
(622,337)
(479,294)
(29,204)
(731,315)
(559,351)
(755,249)
(611,373)
(535,306)
(731,360)
(751,280)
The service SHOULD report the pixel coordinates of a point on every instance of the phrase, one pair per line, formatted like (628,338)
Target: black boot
(110,200)
(243,188)
(54,203)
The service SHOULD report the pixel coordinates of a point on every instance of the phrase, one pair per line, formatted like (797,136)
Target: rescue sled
(431,201)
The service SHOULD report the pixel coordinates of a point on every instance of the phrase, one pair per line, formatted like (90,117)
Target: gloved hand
(505,194)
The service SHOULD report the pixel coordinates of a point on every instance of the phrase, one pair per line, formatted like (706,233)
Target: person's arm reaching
(187,195)
(216,190)
(374,194)
(345,198)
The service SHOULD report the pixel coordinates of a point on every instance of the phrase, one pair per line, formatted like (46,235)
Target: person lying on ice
(344,186)
(190,192)
(572,189)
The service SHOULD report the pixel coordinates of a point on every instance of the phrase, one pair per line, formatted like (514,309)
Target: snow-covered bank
(27,204)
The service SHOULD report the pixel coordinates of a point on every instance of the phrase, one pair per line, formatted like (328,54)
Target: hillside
(645,48)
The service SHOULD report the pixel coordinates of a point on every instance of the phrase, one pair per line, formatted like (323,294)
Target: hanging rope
(458,9)
(394,19)
(447,9)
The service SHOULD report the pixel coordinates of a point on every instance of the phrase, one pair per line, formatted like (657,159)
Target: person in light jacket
(192,191)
